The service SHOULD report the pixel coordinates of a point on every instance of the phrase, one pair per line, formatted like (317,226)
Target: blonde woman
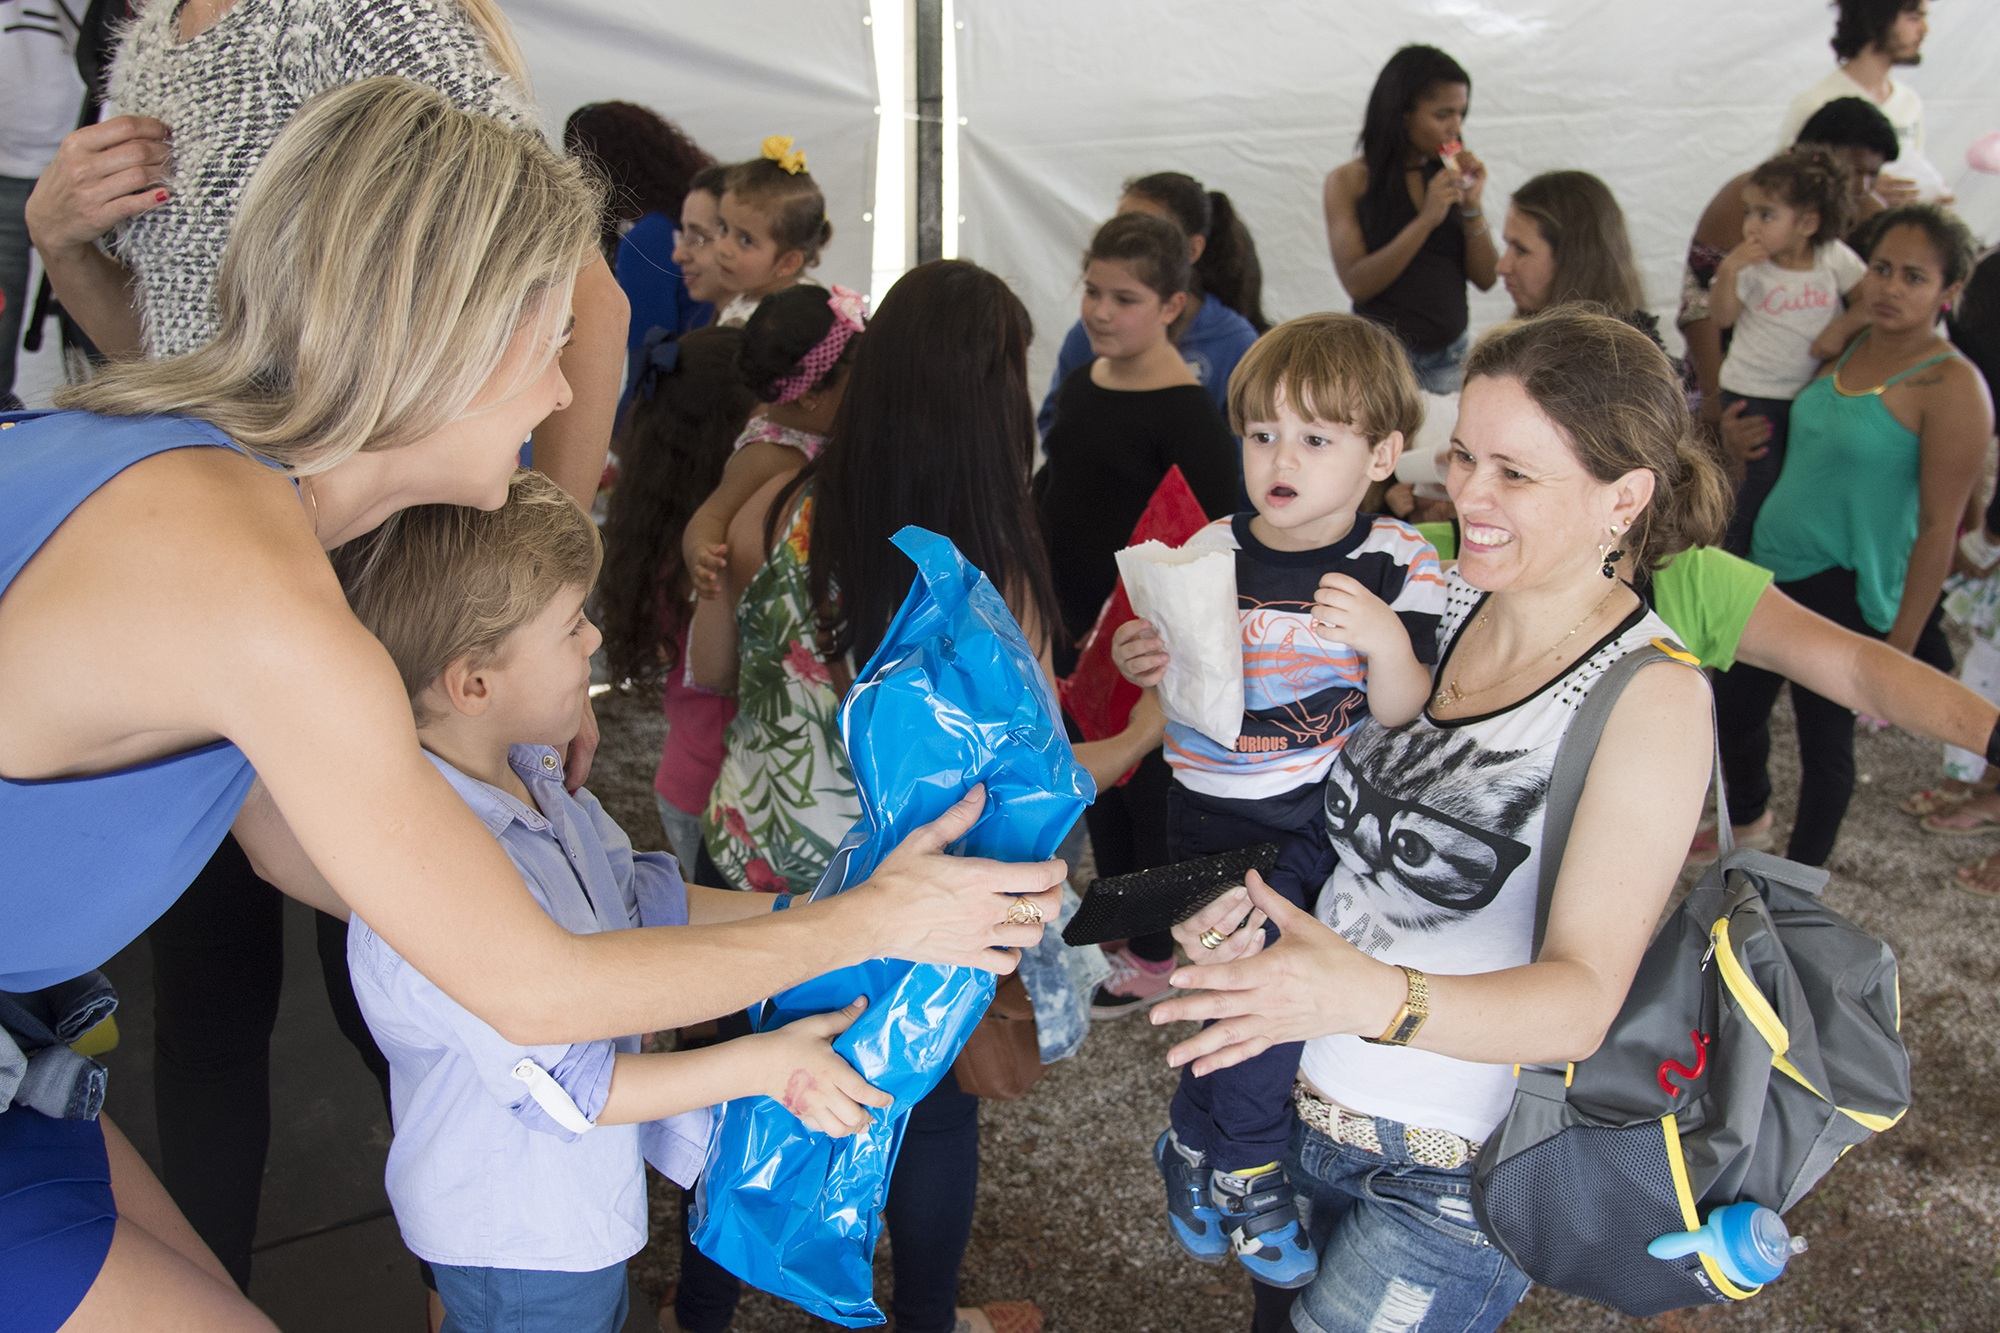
(392,307)
(206,85)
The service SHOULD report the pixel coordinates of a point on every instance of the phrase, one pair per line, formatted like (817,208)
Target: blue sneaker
(1260,1215)
(1196,1225)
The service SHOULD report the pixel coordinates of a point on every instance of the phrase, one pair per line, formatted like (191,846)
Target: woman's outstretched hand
(1311,983)
(930,907)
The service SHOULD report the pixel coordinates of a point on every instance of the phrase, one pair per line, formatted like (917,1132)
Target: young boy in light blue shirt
(517,1171)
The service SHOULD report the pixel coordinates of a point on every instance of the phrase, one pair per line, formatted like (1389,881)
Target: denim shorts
(527,1300)
(1443,369)
(1398,1244)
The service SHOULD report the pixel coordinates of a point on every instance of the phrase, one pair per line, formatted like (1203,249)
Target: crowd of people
(331,277)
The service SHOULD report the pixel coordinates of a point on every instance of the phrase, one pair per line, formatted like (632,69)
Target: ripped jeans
(1399,1248)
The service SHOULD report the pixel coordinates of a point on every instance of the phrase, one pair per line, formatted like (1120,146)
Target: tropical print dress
(785,796)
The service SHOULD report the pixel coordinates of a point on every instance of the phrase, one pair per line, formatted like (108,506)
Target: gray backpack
(1759,1042)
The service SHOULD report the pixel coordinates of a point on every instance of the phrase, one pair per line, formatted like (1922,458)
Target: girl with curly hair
(1785,290)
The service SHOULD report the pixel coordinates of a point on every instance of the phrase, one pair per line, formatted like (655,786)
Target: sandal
(1981,880)
(1002,1317)
(1961,821)
(1935,801)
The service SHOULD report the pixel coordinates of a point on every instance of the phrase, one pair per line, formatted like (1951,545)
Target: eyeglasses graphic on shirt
(1443,860)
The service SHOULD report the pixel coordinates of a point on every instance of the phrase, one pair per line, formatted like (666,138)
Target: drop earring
(1609,554)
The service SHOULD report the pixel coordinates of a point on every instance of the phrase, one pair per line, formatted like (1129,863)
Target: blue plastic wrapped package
(953,697)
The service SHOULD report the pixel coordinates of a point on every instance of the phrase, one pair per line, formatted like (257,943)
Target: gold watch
(1409,1020)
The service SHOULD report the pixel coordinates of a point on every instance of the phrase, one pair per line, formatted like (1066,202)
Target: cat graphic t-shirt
(1437,830)
(1303,692)
(1770,351)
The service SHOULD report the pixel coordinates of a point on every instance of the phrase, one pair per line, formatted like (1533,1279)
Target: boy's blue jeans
(1240,1116)
(1398,1244)
(523,1300)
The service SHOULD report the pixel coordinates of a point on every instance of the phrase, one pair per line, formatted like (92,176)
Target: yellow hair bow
(778,148)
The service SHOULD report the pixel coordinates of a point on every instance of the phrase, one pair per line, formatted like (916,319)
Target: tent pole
(929,32)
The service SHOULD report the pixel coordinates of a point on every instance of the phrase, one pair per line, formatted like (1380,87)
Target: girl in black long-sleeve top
(1121,421)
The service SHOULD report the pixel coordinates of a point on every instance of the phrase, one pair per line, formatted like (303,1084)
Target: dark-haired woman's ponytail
(1228,268)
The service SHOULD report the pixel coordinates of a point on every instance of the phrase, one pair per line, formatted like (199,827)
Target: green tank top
(1847,497)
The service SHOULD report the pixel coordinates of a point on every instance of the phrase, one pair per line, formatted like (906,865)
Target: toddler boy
(1339,613)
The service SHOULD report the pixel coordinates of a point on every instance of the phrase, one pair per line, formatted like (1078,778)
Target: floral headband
(848,320)
(778,148)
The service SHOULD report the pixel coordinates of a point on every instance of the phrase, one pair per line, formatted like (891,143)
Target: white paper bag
(1190,596)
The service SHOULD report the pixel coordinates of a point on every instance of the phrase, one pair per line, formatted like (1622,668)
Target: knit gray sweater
(228,92)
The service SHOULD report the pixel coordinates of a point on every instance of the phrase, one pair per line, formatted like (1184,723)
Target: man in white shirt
(1872,37)
(40,96)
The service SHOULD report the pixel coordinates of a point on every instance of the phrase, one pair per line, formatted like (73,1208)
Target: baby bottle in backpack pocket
(1747,1240)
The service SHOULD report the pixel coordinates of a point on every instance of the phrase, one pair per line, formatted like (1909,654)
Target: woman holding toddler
(1415,983)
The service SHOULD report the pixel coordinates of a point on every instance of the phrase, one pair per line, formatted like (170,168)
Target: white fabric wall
(1063,101)
(728,74)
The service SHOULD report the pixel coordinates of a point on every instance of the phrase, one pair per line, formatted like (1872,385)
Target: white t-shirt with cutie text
(1784,309)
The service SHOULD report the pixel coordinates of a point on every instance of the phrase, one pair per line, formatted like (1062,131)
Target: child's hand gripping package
(953,697)
(1190,597)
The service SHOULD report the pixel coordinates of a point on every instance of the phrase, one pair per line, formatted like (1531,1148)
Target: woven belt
(1427,1147)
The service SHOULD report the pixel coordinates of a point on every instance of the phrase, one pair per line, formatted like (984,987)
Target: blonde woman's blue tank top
(88,863)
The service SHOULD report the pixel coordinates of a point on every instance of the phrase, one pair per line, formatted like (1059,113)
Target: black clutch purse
(1153,900)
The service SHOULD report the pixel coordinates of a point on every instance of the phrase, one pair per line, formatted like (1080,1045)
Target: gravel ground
(1902,1232)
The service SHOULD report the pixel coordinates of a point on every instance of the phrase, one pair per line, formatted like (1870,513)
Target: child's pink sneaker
(1135,983)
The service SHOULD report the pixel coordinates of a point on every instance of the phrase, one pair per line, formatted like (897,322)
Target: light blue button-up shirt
(480,1174)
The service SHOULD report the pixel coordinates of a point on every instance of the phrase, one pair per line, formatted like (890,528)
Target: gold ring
(1023,913)
(1212,937)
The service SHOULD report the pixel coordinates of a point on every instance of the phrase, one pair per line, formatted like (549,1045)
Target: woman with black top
(1122,419)
(1405,229)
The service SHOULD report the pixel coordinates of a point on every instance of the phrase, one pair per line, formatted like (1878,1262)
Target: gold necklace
(1451,693)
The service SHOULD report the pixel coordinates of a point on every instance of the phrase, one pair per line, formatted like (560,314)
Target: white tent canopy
(729,75)
(1062,101)
(1665,102)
